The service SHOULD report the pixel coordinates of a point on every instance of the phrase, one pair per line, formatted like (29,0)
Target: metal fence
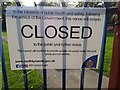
(63,70)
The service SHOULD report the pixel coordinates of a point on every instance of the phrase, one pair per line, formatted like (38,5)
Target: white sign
(54,38)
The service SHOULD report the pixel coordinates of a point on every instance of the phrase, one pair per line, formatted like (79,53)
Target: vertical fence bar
(4,72)
(24,71)
(25,79)
(64,58)
(45,79)
(82,79)
(83,70)
(64,79)
(18,3)
(102,51)
(4,69)
(43,53)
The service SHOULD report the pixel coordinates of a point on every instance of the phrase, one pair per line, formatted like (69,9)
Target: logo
(89,64)
(22,66)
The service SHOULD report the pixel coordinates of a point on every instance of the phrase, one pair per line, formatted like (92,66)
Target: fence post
(114,81)
(64,57)
(2,57)
(24,70)
(103,49)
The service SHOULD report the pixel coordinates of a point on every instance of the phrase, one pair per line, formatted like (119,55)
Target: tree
(48,4)
(3,7)
(95,4)
(80,4)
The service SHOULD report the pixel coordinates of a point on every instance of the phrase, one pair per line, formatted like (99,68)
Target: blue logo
(91,62)
(22,66)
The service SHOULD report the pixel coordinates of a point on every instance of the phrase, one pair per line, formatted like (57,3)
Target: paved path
(54,78)
(73,79)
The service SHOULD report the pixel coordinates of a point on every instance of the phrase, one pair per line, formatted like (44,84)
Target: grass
(4,34)
(16,78)
(108,53)
(0,76)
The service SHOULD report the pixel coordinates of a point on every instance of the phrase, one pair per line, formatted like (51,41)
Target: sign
(54,38)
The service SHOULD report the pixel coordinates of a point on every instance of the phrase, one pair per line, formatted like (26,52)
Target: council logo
(89,64)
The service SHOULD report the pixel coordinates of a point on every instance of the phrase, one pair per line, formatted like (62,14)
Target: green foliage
(16,78)
(4,34)
(112,4)
(97,4)
(80,4)
(108,53)
(0,75)
(49,4)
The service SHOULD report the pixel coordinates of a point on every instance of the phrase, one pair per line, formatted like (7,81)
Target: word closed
(62,29)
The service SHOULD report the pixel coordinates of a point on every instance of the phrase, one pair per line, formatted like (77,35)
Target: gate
(108,10)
